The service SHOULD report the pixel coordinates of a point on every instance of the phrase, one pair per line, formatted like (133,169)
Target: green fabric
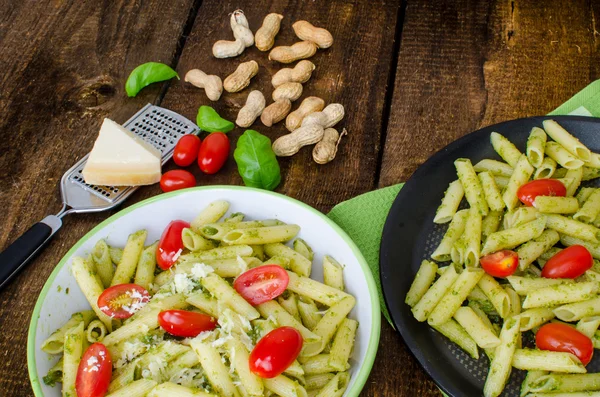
(363,217)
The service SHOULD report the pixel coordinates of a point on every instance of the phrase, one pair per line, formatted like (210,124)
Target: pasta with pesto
(151,357)
(486,285)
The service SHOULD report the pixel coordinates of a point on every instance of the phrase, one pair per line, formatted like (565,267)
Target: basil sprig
(209,120)
(256,161)
(146,74)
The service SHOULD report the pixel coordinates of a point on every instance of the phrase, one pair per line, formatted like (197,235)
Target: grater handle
(24,248)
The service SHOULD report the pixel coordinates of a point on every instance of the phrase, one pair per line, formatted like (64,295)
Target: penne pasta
(590,208)
(577,311)
(342,345)
(559,154)
(194,241)
(526,285)
(144,275)
(494,167)
(560,294)
(476,328)
(302,247)
(522,173)
(533,249)
(590,173)
(434,294)
(566,140)
(573,228)
(572,180)
(216,372)
(490,224)
(505,149)
(567,383)
(91,287)
(210,214)
(457,334)
(471,185)
(455,296)
(520,216)
(536,143)
(556,205)
(588,326)
(421,283)
(496,294)
(298,263)
(543,360)
(546,169)
(131,254)
(472,238)
(333,273)
(532,318)
(510,238)
(103,262)
(453,233)
(315,290)
(261,235)
(450,202)
(501,364)
(491,191)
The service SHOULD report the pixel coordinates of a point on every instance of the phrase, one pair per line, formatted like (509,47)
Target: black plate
(409,236)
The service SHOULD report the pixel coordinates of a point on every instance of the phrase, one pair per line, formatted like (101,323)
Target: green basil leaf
(256,161)
(146,74)
(209,120)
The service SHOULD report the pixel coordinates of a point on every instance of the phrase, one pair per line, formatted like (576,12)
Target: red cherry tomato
(540,187)
(563,338)
(262,283)
(177,179)
(186,150)
(275,352)
(94,372)
(571,262)
(123,300)
(184,323)
(170,245)
(213,152)
(501,263)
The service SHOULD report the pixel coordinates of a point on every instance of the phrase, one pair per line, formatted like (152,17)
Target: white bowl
(61,295)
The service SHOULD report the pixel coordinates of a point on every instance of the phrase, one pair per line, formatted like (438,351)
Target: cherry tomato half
(275,352)
(186,150)
(170,245)
(94,372)
(563,338)
(500,264)
(214,151)
(123,300)
(176,179)
(262,283)
(571,262)
(185,323)
(540,187)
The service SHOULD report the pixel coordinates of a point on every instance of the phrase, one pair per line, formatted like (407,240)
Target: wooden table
(413,76)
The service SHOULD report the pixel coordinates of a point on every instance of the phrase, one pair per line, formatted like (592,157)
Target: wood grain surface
(412,76)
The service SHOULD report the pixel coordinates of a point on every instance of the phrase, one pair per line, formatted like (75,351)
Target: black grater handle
(25,248)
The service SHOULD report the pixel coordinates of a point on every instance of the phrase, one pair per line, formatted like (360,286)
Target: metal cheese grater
(158,126)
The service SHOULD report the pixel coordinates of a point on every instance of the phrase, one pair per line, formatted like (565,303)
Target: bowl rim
(373,344)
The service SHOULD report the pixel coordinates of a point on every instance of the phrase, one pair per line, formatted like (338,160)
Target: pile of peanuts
(312,122)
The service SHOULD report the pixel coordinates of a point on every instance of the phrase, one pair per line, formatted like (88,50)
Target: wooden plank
(64,66)
(466,64)
(353,72)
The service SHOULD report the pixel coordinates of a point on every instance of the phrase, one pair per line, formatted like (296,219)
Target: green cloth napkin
(363,217)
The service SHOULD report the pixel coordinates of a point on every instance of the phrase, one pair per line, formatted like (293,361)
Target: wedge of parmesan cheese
(120,158)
